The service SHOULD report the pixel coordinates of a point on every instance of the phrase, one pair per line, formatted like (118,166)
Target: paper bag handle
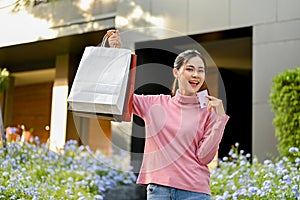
(104,39)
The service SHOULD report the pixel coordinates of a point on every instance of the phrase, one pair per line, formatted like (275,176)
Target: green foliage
(26,3)
(285,101)
(4,79)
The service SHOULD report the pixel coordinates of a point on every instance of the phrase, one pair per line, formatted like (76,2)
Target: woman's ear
(175,72)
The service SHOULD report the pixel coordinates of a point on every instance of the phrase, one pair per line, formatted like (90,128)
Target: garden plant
(285,101)
(240,177)
(32,171)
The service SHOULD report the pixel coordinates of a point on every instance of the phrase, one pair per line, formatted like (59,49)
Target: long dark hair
(182,59)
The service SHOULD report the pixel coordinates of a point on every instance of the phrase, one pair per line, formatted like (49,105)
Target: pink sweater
(181,139)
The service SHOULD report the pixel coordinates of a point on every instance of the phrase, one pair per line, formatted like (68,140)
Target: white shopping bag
(101,81)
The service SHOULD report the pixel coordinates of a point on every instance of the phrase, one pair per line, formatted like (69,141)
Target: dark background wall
(237,83)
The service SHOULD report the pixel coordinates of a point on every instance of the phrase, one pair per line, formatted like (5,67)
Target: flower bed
(29,171)
(238,178)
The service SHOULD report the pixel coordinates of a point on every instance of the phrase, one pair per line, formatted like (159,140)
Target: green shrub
(4,79)
(285,101)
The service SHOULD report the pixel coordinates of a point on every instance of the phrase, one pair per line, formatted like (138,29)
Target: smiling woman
(182,137)
(191,76)
(193,71)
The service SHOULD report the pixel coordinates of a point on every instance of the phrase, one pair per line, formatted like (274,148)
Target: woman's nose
(196,74)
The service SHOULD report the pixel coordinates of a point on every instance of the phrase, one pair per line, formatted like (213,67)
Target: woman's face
(191,76)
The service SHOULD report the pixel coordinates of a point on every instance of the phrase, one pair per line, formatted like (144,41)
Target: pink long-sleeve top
(181,139)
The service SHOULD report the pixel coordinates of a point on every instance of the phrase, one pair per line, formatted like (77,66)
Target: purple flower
(267,162)
(220,177)
(295,191)
(287,179)
(261,193)
(293,150)
(98,197)
(5,174)
(241,181)
(267,184)
(2,188)
(280,164)
(69,192)
(234,155)
(235,195)
(220,198)
(252,190)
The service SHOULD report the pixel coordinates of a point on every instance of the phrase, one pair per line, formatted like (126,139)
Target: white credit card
(202,99)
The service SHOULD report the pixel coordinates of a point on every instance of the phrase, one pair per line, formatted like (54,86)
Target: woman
(181,137)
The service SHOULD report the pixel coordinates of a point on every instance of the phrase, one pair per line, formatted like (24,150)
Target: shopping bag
(127,111)
(101,84)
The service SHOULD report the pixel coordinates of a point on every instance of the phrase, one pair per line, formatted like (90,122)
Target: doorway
(231,51)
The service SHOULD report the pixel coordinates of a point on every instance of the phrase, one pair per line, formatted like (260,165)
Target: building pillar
(59,108)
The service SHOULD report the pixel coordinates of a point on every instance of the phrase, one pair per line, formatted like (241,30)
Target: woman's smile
(194,83)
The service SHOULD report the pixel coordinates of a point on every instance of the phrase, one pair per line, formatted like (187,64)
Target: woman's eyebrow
(199,67)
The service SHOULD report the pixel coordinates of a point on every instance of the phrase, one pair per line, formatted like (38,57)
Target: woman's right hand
(114,39)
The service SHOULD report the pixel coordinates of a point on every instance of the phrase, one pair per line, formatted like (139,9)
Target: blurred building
(249,41)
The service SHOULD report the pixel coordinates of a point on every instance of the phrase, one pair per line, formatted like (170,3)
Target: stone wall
(126,192)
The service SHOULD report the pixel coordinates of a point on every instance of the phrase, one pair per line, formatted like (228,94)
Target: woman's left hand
(114,39)
(216,104)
